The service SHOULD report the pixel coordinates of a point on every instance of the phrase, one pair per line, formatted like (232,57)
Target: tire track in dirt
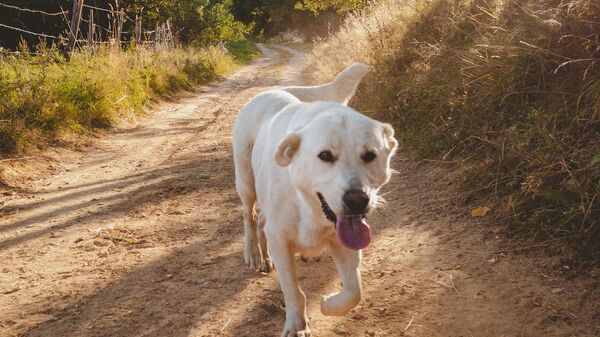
(140,235)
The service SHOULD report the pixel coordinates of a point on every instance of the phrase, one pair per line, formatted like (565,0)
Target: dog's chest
(314,239)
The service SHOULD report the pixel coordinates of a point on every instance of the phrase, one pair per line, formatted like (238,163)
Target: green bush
(243,51)
(202,22)
(219,24)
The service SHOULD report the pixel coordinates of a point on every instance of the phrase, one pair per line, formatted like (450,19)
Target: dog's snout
(356,201)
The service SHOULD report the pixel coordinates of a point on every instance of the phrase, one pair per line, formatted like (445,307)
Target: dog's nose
(356,201)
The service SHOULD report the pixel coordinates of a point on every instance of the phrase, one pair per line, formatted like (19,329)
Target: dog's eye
(326,156)
(368,157)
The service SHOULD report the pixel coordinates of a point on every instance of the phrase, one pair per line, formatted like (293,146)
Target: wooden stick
(442,284)
(157,37)
(138,30)
(163,35)
(111,24)
(119,26)
(169,35)
(16,159)
(226,324)
(91,29)
(75,21)
(409,323)
(453,286)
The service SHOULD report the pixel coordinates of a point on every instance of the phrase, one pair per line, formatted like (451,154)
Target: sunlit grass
(509,89)
(43,98)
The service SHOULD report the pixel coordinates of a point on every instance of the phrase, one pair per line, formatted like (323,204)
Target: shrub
(243,51)
(219,24)
(44,98)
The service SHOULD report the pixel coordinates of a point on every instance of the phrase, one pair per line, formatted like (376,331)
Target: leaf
(479,211)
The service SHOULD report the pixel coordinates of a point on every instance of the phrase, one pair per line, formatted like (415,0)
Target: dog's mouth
(329,214)
(352,230)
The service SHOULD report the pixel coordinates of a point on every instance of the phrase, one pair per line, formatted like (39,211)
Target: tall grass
(44,98)
(510,89)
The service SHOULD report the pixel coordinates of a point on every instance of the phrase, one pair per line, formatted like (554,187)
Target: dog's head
(338,162)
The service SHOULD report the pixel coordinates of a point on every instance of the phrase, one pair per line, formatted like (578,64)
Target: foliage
(205,21)
(187,16)
(310,17)
(44,98)
(243,51)
(508,88)
(219,24)
(201,21)
(341,6)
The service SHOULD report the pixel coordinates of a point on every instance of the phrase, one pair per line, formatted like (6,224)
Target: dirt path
(140,235)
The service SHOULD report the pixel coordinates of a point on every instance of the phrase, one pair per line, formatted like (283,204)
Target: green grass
(510,89)
(44,98)
(243,51)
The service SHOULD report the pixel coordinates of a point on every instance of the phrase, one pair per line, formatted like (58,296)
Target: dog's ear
(287,149)
(388,135)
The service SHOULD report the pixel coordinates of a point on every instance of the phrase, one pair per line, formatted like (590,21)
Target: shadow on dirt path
(166,297)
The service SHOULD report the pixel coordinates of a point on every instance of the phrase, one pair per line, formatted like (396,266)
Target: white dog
(315,167)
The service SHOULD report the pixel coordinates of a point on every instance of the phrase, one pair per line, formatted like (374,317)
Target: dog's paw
(298,328)
(267,265)
(252,255)
(303,333)
(339,304)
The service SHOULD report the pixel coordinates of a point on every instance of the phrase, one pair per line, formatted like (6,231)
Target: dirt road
(140,234)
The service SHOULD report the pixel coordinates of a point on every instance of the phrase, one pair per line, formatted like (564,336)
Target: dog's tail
(340,90)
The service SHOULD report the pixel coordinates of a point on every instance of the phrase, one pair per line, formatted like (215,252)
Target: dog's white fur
(276,141)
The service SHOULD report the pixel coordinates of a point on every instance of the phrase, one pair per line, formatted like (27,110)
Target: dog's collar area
(329,214)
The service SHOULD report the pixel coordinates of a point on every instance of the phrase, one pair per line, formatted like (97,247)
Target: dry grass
(510,89)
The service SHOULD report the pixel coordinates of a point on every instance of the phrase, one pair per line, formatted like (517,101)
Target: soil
(139,233)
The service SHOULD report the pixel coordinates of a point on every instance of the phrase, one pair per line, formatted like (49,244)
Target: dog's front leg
(347,262)
(296,321)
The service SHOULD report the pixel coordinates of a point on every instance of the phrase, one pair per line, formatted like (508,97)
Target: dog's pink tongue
(353,231)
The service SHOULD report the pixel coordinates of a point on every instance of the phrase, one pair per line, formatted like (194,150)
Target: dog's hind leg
(244,183)
(267,263)
(252,253)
